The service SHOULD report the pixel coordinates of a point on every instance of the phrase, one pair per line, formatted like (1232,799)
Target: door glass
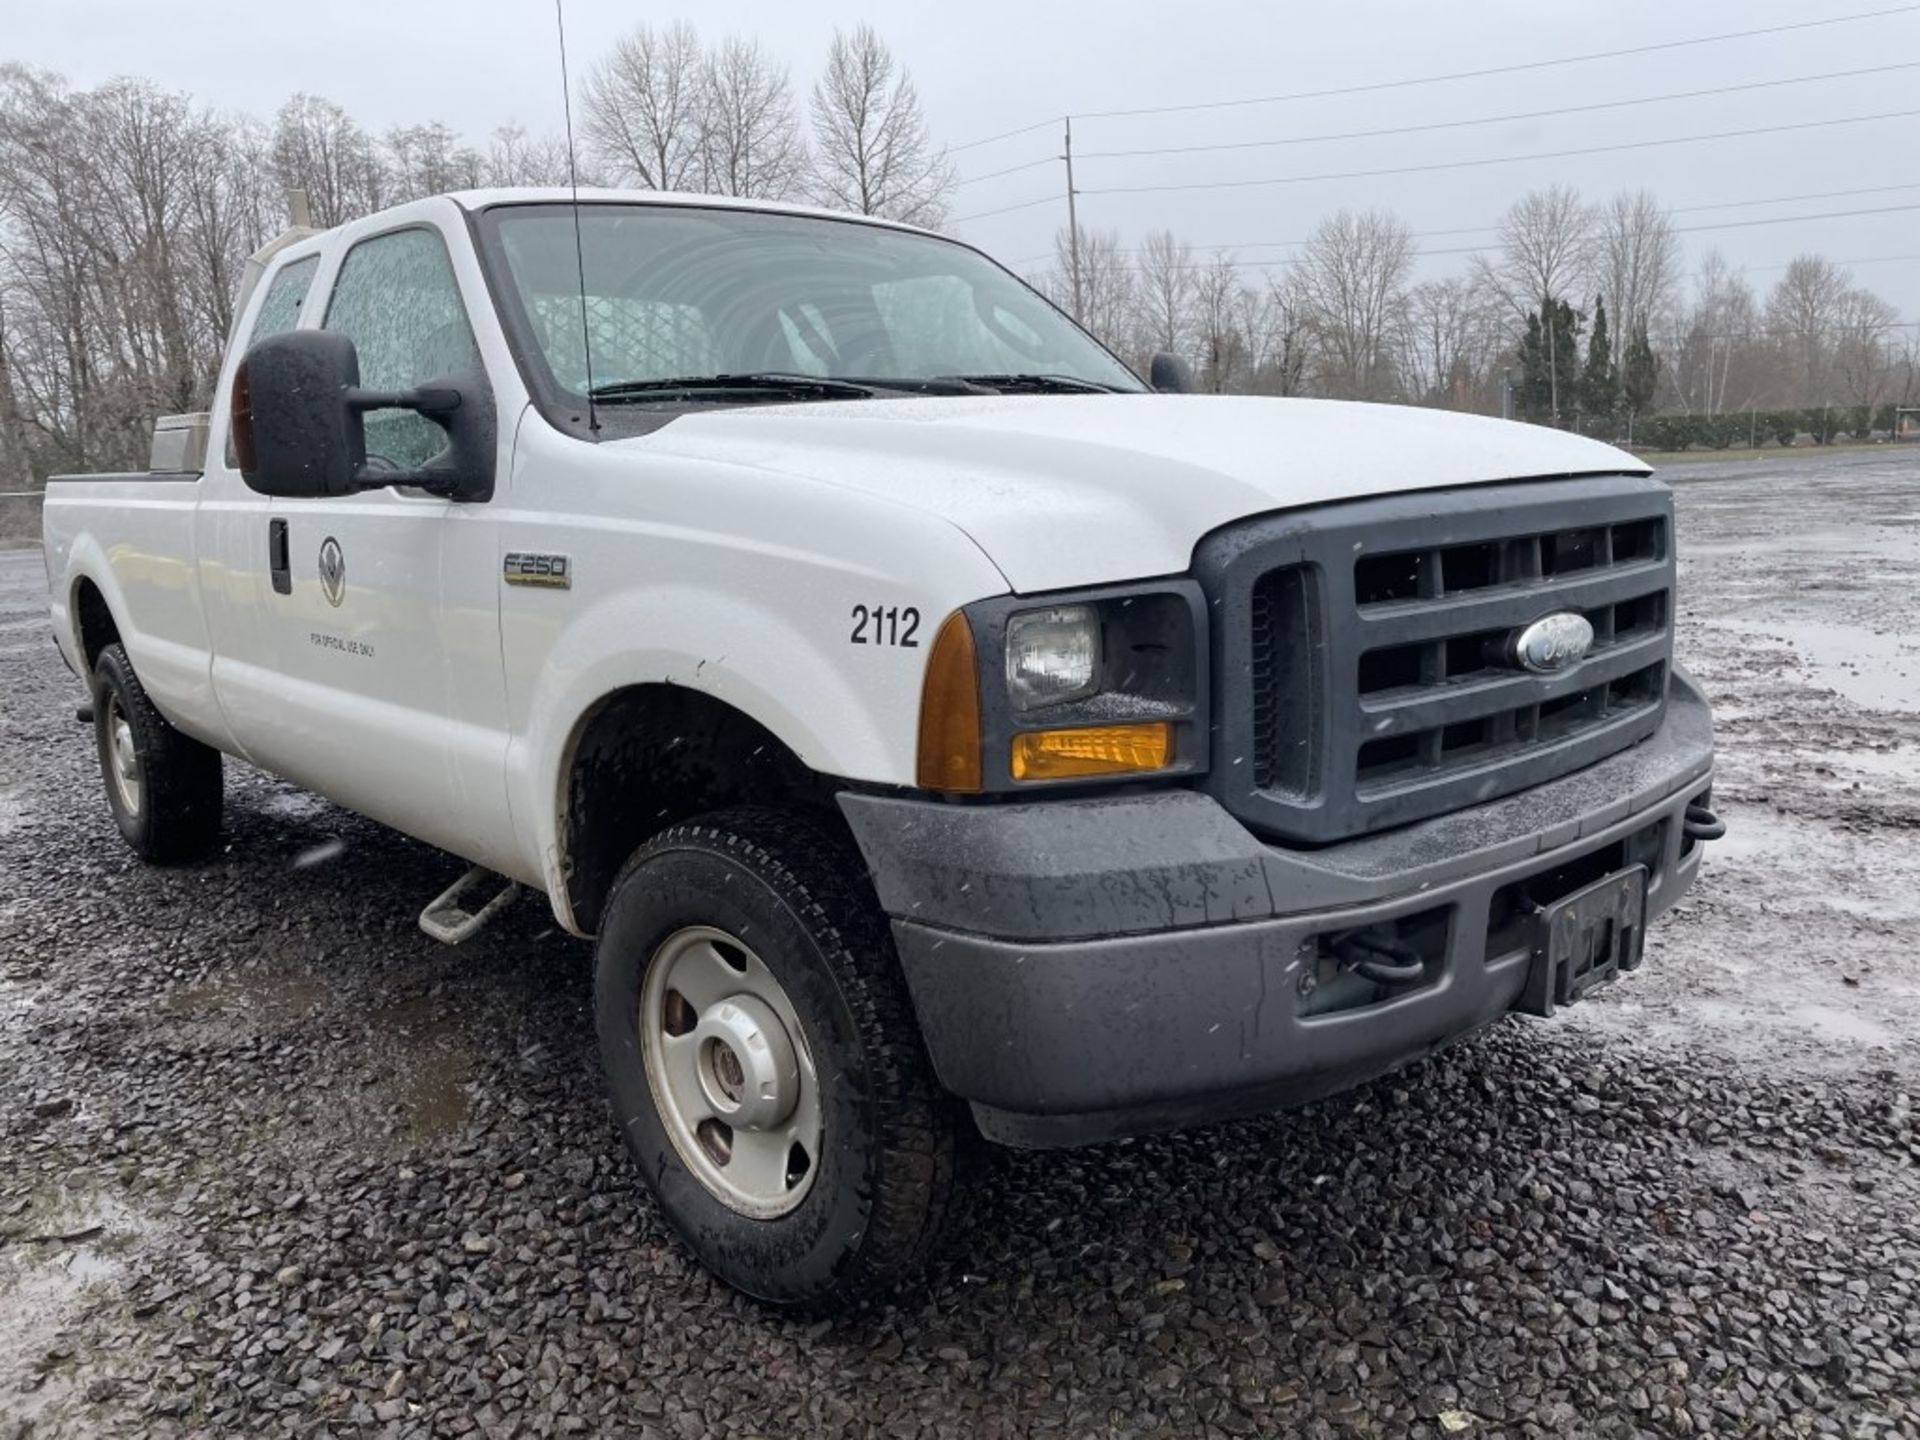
(397,300)
(279,310)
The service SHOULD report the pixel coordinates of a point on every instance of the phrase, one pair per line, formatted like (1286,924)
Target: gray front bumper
(1083,969)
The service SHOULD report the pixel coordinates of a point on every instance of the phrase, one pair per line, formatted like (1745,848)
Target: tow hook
(1384,962)
(1702,824)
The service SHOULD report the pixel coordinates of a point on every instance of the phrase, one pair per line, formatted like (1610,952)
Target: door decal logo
(333,571)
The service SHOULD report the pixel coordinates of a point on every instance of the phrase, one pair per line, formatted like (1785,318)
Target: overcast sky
(988,66)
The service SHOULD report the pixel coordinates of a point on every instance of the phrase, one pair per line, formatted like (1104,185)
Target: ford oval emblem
(1553,642)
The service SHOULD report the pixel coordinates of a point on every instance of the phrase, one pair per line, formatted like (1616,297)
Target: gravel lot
(273,1162)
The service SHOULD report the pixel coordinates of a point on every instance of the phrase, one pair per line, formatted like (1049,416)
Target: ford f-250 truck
(914,706)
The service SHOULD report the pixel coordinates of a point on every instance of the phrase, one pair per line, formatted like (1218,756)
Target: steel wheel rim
(123,758)
(730,1072)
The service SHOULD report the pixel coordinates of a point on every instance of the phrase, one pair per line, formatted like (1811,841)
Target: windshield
(677,292)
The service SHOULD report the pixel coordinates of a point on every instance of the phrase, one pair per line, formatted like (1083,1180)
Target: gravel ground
(273,1162)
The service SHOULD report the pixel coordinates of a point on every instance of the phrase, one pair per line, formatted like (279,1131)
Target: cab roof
(597,195)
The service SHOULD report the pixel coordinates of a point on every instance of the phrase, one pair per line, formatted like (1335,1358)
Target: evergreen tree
(1550,364)
(1640,374)
(1600,384)
(1536,383)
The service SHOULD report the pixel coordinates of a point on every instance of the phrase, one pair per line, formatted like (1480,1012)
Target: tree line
(127,213)
(1579,315)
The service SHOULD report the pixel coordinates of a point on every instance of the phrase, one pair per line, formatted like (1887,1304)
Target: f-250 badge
(333,571)
(550,572)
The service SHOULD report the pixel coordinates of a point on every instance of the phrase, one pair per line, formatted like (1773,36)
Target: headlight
(1053,656)
(1097,686)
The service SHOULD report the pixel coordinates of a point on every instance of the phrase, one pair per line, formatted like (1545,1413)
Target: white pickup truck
(914,706)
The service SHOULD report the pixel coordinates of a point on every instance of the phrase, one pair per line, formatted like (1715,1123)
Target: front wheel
(764,1063)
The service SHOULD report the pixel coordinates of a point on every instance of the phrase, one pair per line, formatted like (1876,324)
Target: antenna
(579,248)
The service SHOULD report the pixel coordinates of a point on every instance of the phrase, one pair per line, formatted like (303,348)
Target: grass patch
(1770,452)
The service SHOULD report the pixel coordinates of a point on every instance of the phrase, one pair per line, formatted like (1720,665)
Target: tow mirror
(1169,375)
(299,426)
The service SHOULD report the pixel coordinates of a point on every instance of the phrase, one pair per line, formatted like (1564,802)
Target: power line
(1489,229)
(1442,124)
(1443,164)
(1512,69)
(1482,120)
(1731,224)
(1491,160)
(1010,170)
(1868,260)
(1009,134)
(1678,230)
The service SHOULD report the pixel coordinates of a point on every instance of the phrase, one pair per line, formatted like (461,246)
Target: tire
(164,788)
(791,898)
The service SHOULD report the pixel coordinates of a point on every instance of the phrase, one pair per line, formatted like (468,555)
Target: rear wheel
(764,1063)
(164,788)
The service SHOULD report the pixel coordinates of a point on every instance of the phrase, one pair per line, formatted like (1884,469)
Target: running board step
(449,919)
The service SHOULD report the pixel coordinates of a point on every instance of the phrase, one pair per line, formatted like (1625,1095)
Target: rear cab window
(279,312)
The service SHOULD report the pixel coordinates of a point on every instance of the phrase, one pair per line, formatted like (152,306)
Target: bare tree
(318,148)
(514,159)
(1449,346)
(750,141)
(1636,259)
(1162,285)
(16,470)
(1801,313)
(1864,362)
(643,108)
(1546,241)
(1352,276)
(1216,316)
(430,160)
(872,153)
(1284,343)
(1716,357)
(1106,284)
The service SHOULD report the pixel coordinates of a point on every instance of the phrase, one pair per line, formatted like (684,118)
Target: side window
(397,300)
(286,293)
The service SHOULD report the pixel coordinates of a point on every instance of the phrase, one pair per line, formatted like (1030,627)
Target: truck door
(386,612)
(232,538)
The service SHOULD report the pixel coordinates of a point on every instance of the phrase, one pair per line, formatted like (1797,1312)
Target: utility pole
(1553,360)
(1073,220)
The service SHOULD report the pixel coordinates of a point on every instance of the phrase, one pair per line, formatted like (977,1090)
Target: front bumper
(1088,969)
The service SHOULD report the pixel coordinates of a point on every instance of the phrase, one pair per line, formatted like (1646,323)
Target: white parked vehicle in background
(915,707)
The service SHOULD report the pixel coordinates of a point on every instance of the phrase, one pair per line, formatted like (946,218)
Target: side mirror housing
(299,429)
(1169,375)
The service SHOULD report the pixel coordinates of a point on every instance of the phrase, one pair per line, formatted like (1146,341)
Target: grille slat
(1365,648)
(1507,605)
(1503,690)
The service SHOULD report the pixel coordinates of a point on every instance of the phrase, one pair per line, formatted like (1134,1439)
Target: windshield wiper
(1040,384)
(761,382)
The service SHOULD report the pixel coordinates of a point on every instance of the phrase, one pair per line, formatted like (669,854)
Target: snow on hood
(1083,489)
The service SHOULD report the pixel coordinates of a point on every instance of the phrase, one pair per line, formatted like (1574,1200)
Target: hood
(1083,489)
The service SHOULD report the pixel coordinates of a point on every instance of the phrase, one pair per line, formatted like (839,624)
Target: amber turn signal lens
(950,751)
(1098,750)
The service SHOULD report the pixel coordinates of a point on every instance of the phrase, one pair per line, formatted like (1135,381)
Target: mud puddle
(60,1258)
(1876,670)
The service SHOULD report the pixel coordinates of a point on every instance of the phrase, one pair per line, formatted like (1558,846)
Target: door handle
(278,562)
